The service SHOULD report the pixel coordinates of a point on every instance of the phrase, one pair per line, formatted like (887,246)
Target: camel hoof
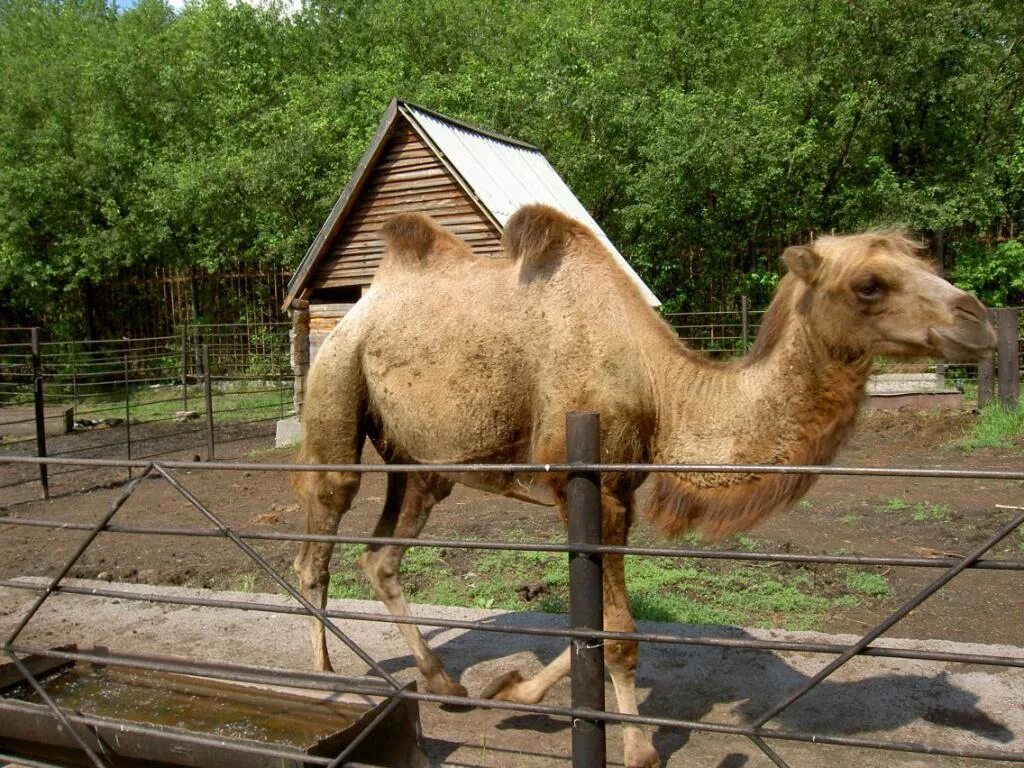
(645,757)
(501,687)
(447,688)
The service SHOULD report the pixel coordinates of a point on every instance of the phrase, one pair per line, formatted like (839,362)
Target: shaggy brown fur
(451,358)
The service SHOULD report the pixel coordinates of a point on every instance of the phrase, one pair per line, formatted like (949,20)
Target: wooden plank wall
(408,177)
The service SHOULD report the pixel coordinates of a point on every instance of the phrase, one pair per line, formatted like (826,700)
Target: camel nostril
(970,306)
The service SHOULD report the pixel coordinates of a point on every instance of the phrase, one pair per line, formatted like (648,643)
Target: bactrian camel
(453,358)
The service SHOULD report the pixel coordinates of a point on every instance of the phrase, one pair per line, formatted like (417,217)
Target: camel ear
(804,262)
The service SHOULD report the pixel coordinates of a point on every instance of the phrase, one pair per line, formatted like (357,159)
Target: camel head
(872,294)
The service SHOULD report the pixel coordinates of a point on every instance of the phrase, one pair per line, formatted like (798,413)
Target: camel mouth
(964,345)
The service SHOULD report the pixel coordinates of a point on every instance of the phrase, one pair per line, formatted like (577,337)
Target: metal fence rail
(144,397)
(587,633)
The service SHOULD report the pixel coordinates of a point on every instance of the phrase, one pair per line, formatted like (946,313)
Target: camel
(452,358)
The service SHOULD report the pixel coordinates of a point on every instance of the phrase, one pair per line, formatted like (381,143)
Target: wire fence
(587,639)
(141,398)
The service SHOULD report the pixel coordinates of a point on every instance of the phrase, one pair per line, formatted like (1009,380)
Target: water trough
(190,720)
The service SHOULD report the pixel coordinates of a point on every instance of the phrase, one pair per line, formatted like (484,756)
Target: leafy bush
(995,275)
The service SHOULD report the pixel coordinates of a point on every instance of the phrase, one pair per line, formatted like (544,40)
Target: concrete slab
(288,432)
(919,401)
(956,706)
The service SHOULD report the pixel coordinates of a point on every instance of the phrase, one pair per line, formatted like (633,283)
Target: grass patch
(997,428)
(865,583)
(927,512)
(894,505)
(922,511)
(660,588)
(253,403)
(667,589)
(246,582)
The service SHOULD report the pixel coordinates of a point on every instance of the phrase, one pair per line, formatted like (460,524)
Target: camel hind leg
(406,510)
(334,422)
(325,496)
(620,655)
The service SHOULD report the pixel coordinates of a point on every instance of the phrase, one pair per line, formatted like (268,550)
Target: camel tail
(537,236)
(411,237)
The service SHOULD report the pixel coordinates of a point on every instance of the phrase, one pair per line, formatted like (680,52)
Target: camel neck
(789,402)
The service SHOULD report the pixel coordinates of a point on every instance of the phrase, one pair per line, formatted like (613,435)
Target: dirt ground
(846,515)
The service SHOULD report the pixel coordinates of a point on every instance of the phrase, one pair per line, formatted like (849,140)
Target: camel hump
(411,237)
(537,236)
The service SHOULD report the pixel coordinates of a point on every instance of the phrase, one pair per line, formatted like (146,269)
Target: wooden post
(1009,358)
(986,382)
(69,425)
(40,410)
(197,339)
(300,352)
(184,365)
(987,374)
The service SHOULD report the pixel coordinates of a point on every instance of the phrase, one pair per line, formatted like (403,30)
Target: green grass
(866,583)
(660,588)
(162,403)
(894,505)
(922,511)
(246,582)
(926,511)
(997,428)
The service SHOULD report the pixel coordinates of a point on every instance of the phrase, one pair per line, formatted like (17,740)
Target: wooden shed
(469,179)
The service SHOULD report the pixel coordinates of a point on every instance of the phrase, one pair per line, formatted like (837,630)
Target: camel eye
(870,289)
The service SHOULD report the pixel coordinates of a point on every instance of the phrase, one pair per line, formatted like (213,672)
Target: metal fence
(725,332)
(142,398)
(586,713)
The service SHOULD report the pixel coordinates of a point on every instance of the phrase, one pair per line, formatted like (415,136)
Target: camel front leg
(621,659)
(406,510)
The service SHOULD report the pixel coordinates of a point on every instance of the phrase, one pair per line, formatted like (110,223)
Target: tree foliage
(704,136)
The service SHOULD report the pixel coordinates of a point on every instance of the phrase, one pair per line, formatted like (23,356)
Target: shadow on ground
(867,697)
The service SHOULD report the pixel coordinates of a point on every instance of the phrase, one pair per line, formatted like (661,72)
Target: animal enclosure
(986,740)
(205,386)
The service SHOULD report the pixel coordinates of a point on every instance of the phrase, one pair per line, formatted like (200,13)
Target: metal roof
(502,174)
(506,175)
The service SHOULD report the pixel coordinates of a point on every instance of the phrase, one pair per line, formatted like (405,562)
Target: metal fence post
(40,412)
(586,598)
(745,312)
(184,366)
(208,393)
(1009,358)
(125,349)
